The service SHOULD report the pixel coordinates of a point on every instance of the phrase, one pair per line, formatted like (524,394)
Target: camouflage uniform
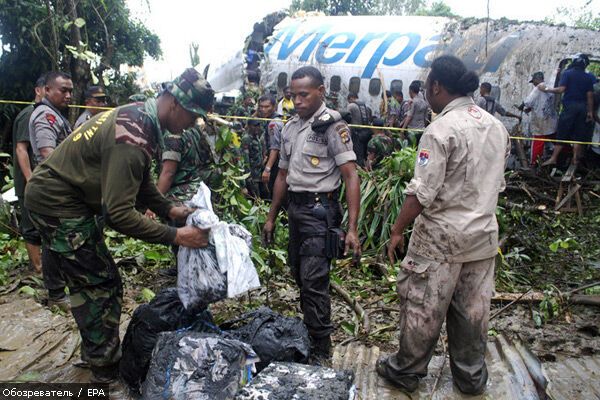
(104,169)
(195,164)
(380,146)
(77,246)
(253,153)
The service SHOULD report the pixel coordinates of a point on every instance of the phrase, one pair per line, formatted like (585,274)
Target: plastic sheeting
(224,268)
(190,365)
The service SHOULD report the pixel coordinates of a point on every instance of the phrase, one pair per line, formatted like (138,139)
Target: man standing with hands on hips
(448,271)
(316,153)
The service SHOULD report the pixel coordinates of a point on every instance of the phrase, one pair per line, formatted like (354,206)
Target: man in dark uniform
(23,167)
(48,127)
(576,120)
(104,168)
(361,115)
(272,138)
(316,151)
(253,154)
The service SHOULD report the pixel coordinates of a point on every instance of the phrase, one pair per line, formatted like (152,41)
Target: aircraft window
(354,86)
(396,86)
(374,86)
(335,84)
(282,80)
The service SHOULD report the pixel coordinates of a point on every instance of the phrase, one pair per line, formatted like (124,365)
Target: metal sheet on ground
(40,346)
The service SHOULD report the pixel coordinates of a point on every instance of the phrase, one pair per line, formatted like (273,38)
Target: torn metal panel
(514,373)
(574,378)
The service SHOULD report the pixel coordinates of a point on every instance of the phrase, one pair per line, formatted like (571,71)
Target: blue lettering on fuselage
(349,49)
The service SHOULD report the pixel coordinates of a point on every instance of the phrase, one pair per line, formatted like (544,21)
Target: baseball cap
(192,91)
(537,75)
(94,92)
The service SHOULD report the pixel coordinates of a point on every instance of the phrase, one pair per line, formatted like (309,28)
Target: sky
(220,27)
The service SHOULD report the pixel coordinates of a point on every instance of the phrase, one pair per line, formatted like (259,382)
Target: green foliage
(86,38)
(358,7)
(437,9)
(586,17)
(508,277)
(564,244)
(382,195)
(12,255)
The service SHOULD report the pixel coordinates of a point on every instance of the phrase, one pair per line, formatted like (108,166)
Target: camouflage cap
(192,91)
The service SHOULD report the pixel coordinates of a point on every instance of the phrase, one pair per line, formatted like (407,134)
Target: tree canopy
(87,38)
(373,7)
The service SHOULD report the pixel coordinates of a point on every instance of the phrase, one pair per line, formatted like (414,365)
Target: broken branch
(358,309)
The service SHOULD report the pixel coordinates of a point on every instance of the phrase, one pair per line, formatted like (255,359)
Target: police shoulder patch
(51,118)
(423,158)
(474,112)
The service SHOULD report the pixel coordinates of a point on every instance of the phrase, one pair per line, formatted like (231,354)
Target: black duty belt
(312,198)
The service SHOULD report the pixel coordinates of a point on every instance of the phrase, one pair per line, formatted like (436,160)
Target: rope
(393,129)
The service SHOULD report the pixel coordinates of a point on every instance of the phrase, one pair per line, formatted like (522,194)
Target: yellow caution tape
(350,125)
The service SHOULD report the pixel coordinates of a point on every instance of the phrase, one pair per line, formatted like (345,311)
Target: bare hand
(353,243)
(266,175)
(268,230)
(396,241)
(180,213)
(590,117)
(150,214)
(190,236)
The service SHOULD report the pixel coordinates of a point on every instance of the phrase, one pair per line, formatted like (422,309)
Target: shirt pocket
(315,158)
(413,278)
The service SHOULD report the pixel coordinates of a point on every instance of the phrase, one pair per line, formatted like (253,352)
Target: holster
(334,242)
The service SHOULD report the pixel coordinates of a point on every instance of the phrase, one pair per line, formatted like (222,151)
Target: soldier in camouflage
(379,147)
(187,160)
(104,169)
(253,155)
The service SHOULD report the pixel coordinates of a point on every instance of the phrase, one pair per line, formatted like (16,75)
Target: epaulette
(323,122)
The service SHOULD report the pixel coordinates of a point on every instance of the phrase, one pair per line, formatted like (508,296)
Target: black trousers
(309,265)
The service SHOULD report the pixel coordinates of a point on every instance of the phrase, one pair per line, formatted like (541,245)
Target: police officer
(272,139)
(94,96)
(48,127)
(316,151)
(448,271)
(104,168)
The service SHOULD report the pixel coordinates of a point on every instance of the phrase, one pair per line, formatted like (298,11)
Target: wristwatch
(267,169)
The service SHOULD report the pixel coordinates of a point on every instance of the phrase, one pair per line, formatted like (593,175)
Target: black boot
(106,374)
(320,349)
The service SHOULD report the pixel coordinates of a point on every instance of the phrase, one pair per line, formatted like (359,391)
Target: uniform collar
(151,111)
(456,103)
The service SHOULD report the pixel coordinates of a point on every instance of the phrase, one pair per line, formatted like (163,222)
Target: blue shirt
(578,83)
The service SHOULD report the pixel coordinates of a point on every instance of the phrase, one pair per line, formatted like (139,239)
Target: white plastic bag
(224,268)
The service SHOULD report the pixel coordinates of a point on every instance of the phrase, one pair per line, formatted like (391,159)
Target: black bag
(272,336)
(164,313)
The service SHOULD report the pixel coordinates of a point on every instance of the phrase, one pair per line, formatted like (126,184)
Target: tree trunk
(79,69)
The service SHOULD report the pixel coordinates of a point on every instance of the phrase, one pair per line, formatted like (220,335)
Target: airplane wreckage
(369,54)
